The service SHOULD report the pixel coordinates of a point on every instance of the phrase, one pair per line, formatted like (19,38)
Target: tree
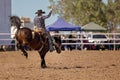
(112,14)
(81,12)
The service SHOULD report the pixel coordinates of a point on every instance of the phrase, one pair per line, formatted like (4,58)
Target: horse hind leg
(42,55)
(43,63)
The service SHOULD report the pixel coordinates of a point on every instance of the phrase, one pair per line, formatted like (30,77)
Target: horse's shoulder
(26,29)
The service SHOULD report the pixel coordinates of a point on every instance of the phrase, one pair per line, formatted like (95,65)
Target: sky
(27,8)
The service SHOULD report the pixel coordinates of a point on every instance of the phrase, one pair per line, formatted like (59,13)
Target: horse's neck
(13,29)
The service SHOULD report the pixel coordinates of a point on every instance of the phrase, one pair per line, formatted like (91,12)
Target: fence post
(114,40)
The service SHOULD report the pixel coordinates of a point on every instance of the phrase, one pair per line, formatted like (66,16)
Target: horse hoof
(26,56)
(43,66)
(58,51)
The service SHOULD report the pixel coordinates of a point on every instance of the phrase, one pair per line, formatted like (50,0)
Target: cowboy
(39,24)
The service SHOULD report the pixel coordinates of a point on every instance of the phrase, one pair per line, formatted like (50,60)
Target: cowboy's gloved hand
(51,7)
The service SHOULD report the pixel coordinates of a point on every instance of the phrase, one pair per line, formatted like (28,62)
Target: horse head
(15,21)
(57,43)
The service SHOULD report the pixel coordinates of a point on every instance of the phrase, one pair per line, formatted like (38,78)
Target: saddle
(41,33)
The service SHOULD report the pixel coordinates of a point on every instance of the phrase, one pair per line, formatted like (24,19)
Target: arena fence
(112,38)
(6,41)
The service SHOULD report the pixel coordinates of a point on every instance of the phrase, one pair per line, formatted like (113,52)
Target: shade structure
(61,25)
(93,27)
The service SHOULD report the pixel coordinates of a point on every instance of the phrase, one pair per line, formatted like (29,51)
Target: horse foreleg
(19,46)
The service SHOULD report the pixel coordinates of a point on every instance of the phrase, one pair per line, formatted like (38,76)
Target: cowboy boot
(49,40)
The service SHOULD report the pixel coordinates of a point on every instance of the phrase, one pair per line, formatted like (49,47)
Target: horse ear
(10,17)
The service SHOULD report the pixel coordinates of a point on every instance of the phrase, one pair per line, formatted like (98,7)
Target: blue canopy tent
(62,25)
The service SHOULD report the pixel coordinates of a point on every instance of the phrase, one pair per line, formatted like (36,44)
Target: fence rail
(113,37)
(5,39)
(78,40)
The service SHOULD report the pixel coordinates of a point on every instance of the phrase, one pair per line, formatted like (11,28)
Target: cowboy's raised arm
(47,16)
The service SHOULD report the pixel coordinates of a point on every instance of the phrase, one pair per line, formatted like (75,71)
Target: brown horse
(34,40)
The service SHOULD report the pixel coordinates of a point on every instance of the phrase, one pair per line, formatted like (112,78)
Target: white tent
(93,27)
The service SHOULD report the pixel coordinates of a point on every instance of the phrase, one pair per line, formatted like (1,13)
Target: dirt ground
(69,65)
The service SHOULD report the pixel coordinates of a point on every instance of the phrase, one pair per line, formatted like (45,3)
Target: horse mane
(15,21)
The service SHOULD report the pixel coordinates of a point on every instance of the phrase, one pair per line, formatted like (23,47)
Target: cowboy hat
(40,11)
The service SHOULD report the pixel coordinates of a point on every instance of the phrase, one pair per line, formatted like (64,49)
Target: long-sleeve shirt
(39,21)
